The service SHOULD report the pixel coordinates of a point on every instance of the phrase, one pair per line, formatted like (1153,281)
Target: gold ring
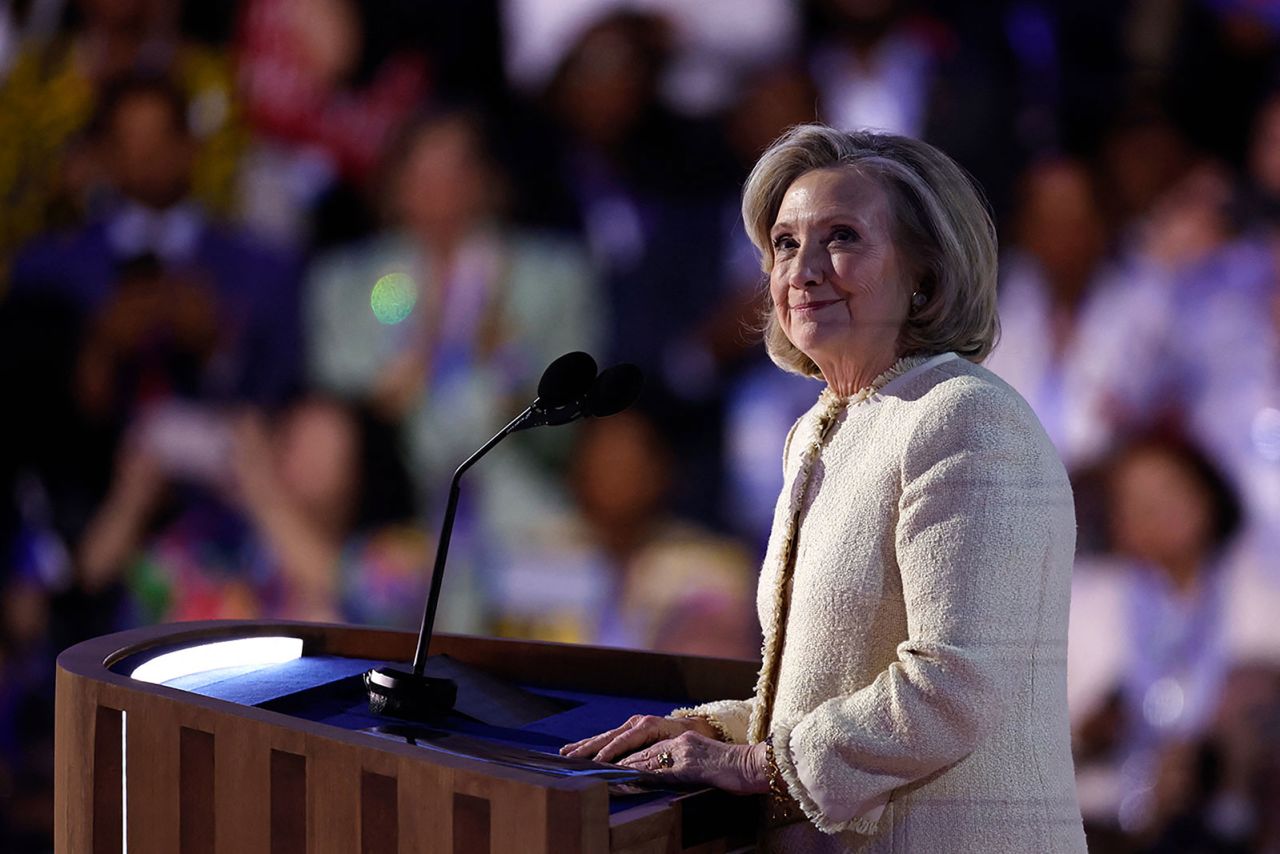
(665,759)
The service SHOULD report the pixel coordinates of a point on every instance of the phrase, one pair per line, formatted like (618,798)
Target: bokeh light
(1266,433)
(393,298)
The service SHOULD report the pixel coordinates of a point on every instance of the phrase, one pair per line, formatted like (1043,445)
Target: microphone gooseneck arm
(446,531)
(569,389)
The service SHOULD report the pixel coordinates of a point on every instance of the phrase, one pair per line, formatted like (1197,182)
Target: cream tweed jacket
(920,699)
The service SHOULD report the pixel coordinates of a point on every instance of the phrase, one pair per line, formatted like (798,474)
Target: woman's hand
(638,731)
(742,769)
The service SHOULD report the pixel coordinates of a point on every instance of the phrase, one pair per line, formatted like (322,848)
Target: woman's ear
(923,291)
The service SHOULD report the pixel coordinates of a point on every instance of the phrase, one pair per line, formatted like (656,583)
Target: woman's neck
(848,377)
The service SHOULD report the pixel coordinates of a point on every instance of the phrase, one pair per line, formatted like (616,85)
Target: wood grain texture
(472,825)
(637,827)
(195,791)
(289,799)
(333,796)
(424,799)
(152,779)
(242,787)
(577,822)
(75,747)
(108,781)
(379,819)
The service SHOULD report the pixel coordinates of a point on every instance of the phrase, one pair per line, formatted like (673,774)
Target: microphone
(569,390)
(614,390)
(564,386)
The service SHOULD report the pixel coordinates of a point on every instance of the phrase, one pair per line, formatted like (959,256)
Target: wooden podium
(179,771)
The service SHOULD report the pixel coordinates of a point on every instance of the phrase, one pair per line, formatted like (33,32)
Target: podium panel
(283,756)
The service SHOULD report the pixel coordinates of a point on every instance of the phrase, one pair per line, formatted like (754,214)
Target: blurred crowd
(270,269)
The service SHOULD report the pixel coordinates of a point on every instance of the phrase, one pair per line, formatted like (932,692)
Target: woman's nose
(807,271)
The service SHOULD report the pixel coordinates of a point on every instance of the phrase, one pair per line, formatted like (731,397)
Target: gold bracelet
(781,804)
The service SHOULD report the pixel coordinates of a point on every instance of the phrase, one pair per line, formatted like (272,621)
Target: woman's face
(444,186)
(1160,510)
(1060,224)
(836,282)
(318,458)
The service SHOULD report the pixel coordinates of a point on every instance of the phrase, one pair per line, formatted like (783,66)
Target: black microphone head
(615,389)
(567,379)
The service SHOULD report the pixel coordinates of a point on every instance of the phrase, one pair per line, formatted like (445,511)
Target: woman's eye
(844,235)
(784,241)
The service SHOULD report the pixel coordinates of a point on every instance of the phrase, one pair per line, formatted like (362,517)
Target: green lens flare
(393,298)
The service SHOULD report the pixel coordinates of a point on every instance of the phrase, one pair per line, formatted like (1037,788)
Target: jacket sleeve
(984,519)
(730,717)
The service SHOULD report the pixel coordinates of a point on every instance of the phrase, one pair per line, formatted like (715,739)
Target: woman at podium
(914,595)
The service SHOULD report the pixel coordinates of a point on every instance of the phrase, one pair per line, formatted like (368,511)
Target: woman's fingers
(591,746)
(675,758)
(638,731)
(631,740)
(647,759)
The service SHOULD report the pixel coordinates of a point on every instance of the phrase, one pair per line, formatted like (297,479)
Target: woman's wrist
(704,725)
(757,771)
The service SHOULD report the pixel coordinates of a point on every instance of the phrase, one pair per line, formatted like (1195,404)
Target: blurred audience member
(649,187)
(447,320)
(888,65)
(53,467)
(714,42)
(1191,220)
(1228,56)
(47,168)
(174,302)
(621,571)
(874,66)
(1142,155)
(1148,650)
(324,102)
(1080,330)
(1221,352)
(1261,189)
(25,25)
(306,528)
(1224,346)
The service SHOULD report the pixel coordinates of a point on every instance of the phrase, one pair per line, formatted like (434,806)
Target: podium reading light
(240,652)
(569,390)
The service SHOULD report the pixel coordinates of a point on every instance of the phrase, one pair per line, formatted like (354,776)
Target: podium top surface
(516,699)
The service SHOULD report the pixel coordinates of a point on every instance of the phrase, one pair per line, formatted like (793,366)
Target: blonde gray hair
(942,232)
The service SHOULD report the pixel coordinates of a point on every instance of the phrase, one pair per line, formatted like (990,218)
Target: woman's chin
(819,341)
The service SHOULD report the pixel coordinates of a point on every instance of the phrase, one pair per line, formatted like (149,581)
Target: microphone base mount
(406,694)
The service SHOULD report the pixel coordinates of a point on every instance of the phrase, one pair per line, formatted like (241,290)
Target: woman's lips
(814,305)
